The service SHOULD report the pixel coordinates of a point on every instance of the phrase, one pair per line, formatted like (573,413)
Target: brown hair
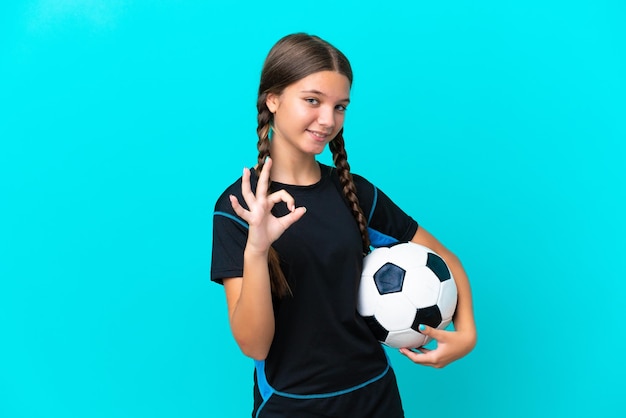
(291,59)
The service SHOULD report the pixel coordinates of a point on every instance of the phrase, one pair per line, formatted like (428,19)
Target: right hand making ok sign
(264,227)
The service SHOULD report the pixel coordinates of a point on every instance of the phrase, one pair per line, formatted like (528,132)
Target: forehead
(333,85)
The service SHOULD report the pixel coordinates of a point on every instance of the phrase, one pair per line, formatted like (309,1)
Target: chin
(315,149)
(318,151)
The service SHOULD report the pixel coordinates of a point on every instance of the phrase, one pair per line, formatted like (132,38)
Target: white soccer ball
(403,286)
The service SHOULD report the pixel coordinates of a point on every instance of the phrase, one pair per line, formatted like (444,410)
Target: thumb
(292,217)
(433,333)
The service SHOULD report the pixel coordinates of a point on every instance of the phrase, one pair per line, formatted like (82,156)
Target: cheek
(303,114)
(296,115)
(339,122)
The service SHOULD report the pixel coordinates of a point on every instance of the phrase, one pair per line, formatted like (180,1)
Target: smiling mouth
(319,135)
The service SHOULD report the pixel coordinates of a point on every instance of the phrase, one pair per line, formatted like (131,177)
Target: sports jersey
(321,345)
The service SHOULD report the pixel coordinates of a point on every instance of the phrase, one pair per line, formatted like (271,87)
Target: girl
(288,244)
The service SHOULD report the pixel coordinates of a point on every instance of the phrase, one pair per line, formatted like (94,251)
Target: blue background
(499,125)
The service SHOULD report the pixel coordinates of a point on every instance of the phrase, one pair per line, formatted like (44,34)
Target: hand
(264,228)
(451,346)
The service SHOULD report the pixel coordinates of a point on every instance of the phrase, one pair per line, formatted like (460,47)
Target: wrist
(252,251)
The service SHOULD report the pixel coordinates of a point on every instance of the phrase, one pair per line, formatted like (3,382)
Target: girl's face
(309,113)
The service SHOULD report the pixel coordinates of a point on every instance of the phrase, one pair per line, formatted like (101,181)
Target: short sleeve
(387,223)
(230,234)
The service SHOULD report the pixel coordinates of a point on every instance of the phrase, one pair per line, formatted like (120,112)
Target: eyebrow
(322,94)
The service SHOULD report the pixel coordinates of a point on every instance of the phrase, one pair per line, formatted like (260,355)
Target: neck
(301,170)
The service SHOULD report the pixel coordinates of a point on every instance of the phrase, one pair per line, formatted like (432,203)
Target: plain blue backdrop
(499,125)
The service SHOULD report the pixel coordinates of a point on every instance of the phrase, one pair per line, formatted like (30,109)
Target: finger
(264,177)
(434,333)
(283,196)
(423,358)
(239,210)
(246,190)
(416,357)
(290,218)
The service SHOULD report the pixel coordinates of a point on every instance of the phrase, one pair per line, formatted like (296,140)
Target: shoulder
(363,185)
(224,215)
(222,203)
(366,191)
(367,194)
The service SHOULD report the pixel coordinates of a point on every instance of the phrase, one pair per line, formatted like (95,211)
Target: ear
(272,102)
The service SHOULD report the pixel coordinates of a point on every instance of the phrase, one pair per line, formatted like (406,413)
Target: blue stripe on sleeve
(374,201)
(234,218)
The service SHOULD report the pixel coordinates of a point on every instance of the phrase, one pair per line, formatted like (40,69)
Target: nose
(326,117)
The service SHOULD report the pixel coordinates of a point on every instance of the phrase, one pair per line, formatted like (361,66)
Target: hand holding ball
(403,286)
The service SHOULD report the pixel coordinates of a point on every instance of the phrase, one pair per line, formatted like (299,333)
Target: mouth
(319,136)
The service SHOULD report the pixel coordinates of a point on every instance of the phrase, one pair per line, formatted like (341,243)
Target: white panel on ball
(406,338)
(368,297)
(447,299)
(395,312)
(421,287)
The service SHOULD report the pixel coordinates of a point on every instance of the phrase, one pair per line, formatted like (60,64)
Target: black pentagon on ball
(389,278)
(379,332)
(438,266)
(430,316)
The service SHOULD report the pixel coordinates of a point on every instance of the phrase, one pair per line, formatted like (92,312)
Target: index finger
(422,356)
(264,177)
(246,190)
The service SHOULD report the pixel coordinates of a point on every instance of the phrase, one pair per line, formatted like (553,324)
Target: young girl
(288,244)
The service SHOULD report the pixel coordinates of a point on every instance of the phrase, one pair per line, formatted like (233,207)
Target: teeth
(318,134)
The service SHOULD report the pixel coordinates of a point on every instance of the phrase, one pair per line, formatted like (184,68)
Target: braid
(278,282)
(263,129)
(340,158)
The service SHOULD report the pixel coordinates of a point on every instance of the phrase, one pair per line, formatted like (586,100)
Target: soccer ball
(403,286)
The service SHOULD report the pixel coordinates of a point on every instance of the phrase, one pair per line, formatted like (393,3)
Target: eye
(311,100)
(341,108)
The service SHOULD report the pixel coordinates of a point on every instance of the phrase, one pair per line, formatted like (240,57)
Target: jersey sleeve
(230,234)
(387,223)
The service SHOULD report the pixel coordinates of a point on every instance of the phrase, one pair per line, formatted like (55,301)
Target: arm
(249,298)
(451,345)
(250,311)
